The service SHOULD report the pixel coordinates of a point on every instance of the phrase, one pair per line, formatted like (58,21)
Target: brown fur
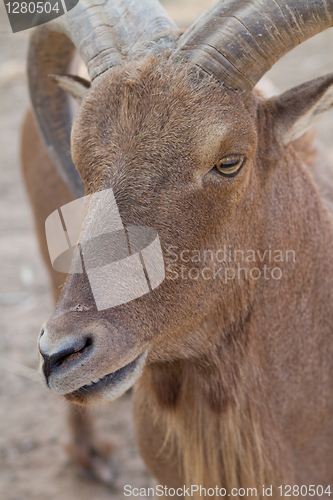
(237,389)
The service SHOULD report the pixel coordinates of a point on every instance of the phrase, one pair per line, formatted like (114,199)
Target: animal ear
(76,86)
(295,111)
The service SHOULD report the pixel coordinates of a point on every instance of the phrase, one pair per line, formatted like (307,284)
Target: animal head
(171,124)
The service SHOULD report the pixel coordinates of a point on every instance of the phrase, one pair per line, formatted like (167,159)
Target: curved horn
(105,33)
(238,41)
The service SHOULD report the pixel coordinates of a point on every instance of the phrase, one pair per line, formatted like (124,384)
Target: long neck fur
(219,420)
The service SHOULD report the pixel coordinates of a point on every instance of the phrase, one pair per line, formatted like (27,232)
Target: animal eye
(229,166)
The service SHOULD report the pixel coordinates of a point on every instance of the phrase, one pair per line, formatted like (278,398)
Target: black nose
(71,354)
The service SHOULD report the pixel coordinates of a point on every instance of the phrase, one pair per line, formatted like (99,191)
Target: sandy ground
(33,463)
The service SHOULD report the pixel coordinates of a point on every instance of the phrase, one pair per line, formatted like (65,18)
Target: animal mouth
(111,381)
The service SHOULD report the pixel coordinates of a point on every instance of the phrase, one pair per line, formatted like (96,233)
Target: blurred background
(33,432)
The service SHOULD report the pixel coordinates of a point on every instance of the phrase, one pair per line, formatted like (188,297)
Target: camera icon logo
(122,263)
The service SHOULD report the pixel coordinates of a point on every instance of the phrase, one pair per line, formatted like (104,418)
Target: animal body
(233,373)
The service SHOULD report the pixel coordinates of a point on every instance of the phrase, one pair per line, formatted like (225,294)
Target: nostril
(71,353)
(89,342)
(41,333)
(66,356)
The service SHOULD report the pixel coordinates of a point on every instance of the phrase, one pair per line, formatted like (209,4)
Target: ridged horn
(105,33)
(238,41)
